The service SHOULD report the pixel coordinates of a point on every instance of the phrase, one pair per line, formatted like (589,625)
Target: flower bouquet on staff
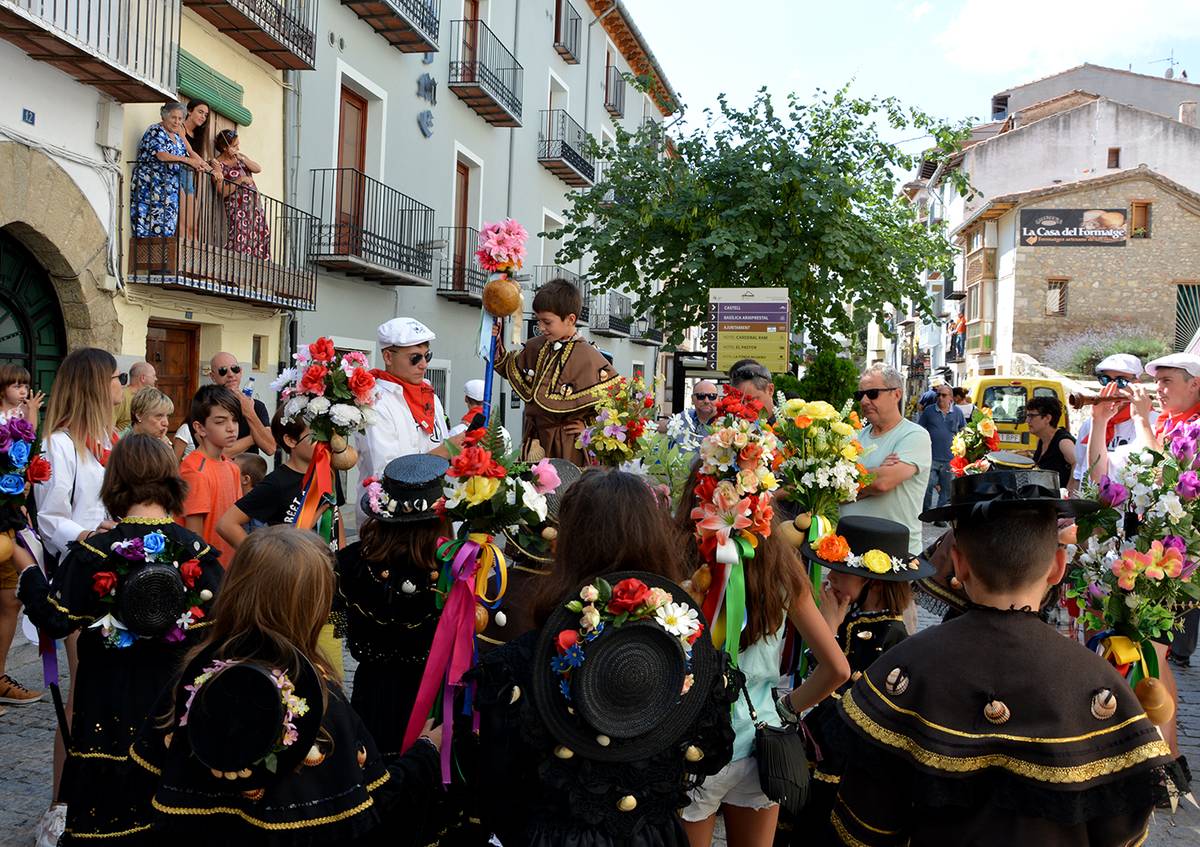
(501,253)
(733,510)
(622,418)
(485,491)
(333,394)
(971,446)
(1134,560)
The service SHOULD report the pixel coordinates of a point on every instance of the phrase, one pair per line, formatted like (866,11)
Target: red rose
(39,469)
(567,639)
(705,486)
(627,595)
(361,384)
(322,350)
(993,443)
(103,582)
(958,465)
(475,461)
(190,571)
(648,402)
(196,612)
(699,630)
(634,429)
(313,381)
(439,507)
(474,436)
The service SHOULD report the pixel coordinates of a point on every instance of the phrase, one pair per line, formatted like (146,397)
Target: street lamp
(643,324)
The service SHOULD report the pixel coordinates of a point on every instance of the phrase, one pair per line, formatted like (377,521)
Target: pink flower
(1188,487)
(1112,494)
(545,477)
(712,520)
(1163,562)
(1127,568)
(725,495)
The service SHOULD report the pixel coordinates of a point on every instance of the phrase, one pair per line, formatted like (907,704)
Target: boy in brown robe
(559,375)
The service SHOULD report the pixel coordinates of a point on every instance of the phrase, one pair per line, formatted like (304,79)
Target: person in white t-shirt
(1122,369)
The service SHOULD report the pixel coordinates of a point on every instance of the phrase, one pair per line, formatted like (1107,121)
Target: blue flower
(574,656)
(18,454)
(595,633)
(10,483)
(564,687)
(559,664)
(154,543)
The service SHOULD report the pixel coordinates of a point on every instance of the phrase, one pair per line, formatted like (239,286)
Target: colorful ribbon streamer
(727,593)
(316,485)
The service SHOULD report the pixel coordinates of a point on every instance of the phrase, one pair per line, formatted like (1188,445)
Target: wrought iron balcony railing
(280,32)
(461,278)
(411,26)
(614,91)
(544,273)
(485,74)
(235,243)
(562,148)
(648,334)
(128,49)
(567,25)
(611,315)
(371,230)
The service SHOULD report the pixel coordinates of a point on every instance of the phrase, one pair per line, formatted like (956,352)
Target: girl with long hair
(128,650)
(321,779)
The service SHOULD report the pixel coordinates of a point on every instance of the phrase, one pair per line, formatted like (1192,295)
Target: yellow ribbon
(490,557)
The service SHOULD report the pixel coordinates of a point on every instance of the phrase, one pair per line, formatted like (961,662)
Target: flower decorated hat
(1005,488)
(873,548)
(621,669)
(407,491)
(534,541)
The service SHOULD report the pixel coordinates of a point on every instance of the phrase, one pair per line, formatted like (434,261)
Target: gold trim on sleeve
(866,620)
(133,754)
(64,610)
(261,824)
(97,835)
(843,833)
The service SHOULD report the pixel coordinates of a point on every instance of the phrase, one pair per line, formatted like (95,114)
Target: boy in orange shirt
(214,482)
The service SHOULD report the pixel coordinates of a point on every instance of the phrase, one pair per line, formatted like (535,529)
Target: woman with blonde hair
(150,411)
(77,438)
(256,742)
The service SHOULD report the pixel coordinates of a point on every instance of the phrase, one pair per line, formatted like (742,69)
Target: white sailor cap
(1184,361)
(1124,362)
(404,332)
(474,389)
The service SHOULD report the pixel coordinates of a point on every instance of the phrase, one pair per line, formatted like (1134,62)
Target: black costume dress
(532,798)
(987,730)
(115,687)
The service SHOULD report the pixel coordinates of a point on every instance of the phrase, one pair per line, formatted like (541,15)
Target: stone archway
(44,209)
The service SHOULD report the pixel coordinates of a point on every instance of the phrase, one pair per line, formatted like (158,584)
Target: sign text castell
(748,323)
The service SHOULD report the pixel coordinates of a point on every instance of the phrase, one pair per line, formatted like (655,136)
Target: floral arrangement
(488,493)
(502,246)
(151,548)
(602,606)
(622,418)
(834,548)
(972,444)
(821,466)
(21,462)
(333,392)
(293,707)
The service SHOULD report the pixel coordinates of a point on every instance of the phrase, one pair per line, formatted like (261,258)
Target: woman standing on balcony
(248,230)
(193,136)
(154,188)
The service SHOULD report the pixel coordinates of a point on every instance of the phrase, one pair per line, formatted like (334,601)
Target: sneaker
(14,692)
(50,827)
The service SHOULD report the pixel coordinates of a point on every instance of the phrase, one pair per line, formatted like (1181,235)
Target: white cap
(474,389)
(404,332)
(1184,361)
(1126,363)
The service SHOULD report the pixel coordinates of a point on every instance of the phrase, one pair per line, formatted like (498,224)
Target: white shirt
(1124,434)
(395,433)
(184,434)
(69,502)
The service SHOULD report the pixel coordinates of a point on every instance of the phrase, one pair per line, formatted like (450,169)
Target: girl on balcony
(154,188)
(248,230)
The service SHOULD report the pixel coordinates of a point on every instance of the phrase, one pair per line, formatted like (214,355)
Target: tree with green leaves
(805,200)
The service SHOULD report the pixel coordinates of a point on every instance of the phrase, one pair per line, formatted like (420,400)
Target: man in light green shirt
(899,455)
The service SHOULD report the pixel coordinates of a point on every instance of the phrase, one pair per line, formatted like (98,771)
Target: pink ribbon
(451,654)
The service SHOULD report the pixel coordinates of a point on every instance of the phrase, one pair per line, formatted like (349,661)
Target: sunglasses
(416,358)
(1105,379)
(221,371)
(712,396)
(871,393)
(122,378)
(750,372)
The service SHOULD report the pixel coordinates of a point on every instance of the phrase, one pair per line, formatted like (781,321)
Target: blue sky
(947,57)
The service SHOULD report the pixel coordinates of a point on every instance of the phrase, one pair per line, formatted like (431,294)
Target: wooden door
(174,350)
(462,247)
(470,45)
(352,159)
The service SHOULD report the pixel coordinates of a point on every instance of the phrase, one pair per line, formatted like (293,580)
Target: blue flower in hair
(574,656)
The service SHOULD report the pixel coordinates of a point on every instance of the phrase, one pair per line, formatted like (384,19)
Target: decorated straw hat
(406,492)
(151,599)
(873,548)
(534,543)
(1004,488)
(628,682)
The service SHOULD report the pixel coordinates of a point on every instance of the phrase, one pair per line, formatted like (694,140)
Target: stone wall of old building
(1132,286)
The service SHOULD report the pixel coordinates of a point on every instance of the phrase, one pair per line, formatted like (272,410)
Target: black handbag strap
(750,703)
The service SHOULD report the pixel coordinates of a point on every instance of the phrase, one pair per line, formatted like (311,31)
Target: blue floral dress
(154,189)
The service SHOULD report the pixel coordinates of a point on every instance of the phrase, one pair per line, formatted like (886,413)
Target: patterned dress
(154,189)
(248,230)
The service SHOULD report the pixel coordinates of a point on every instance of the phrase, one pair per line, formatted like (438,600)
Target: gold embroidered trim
(1142,838)
(110,756)
(596,391)
(61,608)
(148,521)
(261,824)
(866,620)
(484,638)
(87,546)
(843,833)
(821,776)
(372,786)
(1001,735)
(120,834)
(133,754)
(866,825)
(930,585)
(1020,767)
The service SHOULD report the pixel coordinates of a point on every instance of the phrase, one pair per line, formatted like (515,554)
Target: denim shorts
(187,179)
(736,784)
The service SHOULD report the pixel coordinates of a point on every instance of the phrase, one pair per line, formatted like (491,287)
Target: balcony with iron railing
(280,32)
(485,74)
(462,278)
(563,149)
(644,332)
(371,230)
(232,242)
(614,91)
(411,26)
(979,336)
(611,315)
(545,273)
(129,49)
(567,24)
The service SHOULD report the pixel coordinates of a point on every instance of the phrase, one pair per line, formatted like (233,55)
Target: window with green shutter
(197,81)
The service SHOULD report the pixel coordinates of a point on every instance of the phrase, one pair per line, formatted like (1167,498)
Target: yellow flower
(987,427)
(792,407)
(842,428)
(877,561)
(957,446)
(480,489)
(819,410)
(849,453)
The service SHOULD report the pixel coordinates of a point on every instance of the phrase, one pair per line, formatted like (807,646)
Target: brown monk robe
(561,382)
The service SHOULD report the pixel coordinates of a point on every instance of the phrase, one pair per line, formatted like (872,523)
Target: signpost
(748,323)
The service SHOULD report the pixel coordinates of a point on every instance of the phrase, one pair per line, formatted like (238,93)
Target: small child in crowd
(17,399)
(214,482)
(253,468)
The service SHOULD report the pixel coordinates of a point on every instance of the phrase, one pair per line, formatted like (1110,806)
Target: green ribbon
(1146,667)
(446,553)
(735,599)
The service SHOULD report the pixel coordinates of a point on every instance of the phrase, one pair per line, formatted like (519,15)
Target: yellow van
(1006,397)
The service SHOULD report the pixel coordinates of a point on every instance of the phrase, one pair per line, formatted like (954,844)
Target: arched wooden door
(32,332)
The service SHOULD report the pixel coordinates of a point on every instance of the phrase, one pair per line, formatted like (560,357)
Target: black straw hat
(151,599)
(628,692)
(410,485)
(867,537)
(980,494)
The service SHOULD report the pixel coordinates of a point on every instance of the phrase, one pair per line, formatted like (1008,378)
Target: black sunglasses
(750,372)
(221,371)
(871,393)
(123,378)
(1105,379)
(712,396)
(415,358)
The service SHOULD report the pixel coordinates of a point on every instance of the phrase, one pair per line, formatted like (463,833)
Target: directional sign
(748,323)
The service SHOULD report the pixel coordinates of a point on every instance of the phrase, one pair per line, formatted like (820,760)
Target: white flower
(1132,601)
(589,594)
(285,378)
(316,407)
(343,414)
(369,416)
(454,494)
(589,618)
(678,619)
(295,406)
(533,501)
(184,621)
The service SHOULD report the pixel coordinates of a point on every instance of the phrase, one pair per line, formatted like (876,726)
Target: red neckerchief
(1167,422)
(102,453)
(418,397)
(1123,414)
(471,413)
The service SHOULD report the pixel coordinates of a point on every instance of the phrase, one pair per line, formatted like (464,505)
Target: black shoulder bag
(782,761)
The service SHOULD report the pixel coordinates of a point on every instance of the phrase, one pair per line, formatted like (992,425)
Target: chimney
(1187,112)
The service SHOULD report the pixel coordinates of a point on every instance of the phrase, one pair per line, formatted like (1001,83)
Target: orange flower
(833,548)
(854,420)
(803,422)
(862,470)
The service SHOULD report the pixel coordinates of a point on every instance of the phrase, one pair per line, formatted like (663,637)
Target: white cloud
(921,10)
(1033,37)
